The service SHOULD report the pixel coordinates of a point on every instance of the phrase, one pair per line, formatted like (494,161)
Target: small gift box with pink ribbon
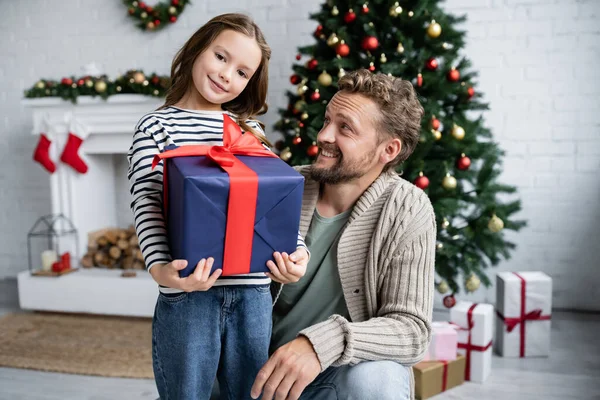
(523,308)
(444,339)
(475,331)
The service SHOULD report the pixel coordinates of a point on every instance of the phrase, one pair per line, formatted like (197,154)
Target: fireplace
(92,201)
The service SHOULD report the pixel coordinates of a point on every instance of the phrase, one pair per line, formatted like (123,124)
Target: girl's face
(222,71)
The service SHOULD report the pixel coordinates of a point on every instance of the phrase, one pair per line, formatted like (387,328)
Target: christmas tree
(456,162)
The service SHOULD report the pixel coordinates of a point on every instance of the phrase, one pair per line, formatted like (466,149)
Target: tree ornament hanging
(312,150)
(442,287)
(304,116)
(299,105)
(463,162)
(341,72)
(325,79)
(434,29)
(312,64)
(315,96)
(400,48)
(453,75)
(431,64)
(333,40)
(449,182)
(342,49)
(435,123)
(449,301)
(365,8)
(495,224)
(445,223)
(295,79)
(395,10)
(335,11)
(318,31)
(371,67)
(350,16)
(302,88)
(370,43)
(458,132)
(297,140)
(419,80)
(470,92)
(422,182)
(436,134)
(285,154)
(298,56)
(472,284)
(383,58)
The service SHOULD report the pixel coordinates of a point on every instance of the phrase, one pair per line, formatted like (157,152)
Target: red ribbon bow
(469,346)
(534,315)
(243,189)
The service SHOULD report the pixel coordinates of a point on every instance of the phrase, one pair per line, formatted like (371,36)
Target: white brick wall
(537,63)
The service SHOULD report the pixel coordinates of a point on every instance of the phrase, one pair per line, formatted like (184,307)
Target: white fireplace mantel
(89,201)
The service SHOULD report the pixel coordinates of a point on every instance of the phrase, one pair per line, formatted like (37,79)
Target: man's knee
(380,380)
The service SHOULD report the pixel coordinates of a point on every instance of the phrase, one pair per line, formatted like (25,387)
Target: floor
(571,372)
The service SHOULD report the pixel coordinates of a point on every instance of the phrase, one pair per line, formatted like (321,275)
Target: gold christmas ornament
(100,86)
(155,92)
(439,246)
(443,287)
(150,25)
(334,11)
(144,15)
(302,88)
(299,105)
(341,73)
(434,29)
(40,85)
(89,83)
(411,14)
(333,40)
(458,132)
(145,83)
(119,88)
(383,58)
(395,10)
(436,134)
(172,10)
(325,79)
(139,77)
(496,224)
(449,182)
(400,48)
(445,223)
(285,154)
(304,116)
(472,284)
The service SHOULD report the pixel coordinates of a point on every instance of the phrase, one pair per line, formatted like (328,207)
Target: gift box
(475,330)
(443,342)
(434,377)
(237,203)
(524,304)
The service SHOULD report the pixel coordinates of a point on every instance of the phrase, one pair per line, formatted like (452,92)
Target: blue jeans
(223,332)
(381,380)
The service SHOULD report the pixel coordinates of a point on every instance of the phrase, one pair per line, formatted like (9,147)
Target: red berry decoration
(175,2)
(370,43)
(155,79)
(319,30)
(312,64)
(131,11)
(471,92)
(173,18)
(300,124)
(142,4)
(313,150)
(80,82)
(156,22)
(435,123)
(298,57)
(295,79)
(315,96)
(297,140)
(372,68)
(422,182)
(419,80)
(149,9)
(342,49)
(349,17)
(66,81)
(431,64)
(463,163)
(453,75)
(449,301)
(365,9)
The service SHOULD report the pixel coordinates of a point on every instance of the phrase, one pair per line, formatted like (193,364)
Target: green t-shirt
(318,294)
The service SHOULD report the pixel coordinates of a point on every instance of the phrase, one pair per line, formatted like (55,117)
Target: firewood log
(123,244)
(87,261)
(114,252)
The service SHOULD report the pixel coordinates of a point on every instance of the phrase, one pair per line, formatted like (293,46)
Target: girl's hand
(168,275)
(289,268)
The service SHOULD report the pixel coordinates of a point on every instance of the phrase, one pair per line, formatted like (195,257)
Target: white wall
(537,64)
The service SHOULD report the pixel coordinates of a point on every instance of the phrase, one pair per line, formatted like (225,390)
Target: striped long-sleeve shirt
(154,132)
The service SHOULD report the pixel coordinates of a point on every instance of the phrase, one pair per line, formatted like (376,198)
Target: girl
(204,326)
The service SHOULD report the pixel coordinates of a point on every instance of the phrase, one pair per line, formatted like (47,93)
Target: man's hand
(168,275)
(289,269)
(289,370)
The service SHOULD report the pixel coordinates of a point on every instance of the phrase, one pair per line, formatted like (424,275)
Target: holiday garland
(157,17)
(69,88)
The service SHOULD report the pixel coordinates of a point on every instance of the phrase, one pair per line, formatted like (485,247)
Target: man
(360,317)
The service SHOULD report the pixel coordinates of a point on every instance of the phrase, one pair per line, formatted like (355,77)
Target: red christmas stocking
(42,154)
(77,133)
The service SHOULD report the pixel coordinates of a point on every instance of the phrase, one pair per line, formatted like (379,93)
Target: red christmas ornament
(155,79)
(463,163)
(131,11)
(422,182)
(453,75)
(149,9)
(449,301)
(67,81)
(175,2)
(295,79)
(431,64)
(370,43)
(342,49)
(349,17)
(435,123)
(471,92)
(173,18)
(156,22)
(312,64)
(419,80)
(372,68)
(142,4)
(298,57)
(315,96)
(365,9)
(319,30)
(300,124)
(297,140)
(313,150)
(80,82)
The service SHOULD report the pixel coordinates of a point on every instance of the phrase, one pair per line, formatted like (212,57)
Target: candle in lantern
(49,257)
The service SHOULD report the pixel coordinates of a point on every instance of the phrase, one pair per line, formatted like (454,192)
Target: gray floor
(572,372)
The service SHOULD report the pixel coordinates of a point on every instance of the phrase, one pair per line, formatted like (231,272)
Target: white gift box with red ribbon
(475,331)
(523,305)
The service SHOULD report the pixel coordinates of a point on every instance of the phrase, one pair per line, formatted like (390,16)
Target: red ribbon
(534,315)
(243,190)
(445,376)
(468,346)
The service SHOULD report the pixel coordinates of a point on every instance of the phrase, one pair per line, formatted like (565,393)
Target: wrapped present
(434,377)
(443,342)
(524,304)
(475,322)
(237,203)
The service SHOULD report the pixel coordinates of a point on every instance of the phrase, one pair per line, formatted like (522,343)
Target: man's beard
(341,171)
